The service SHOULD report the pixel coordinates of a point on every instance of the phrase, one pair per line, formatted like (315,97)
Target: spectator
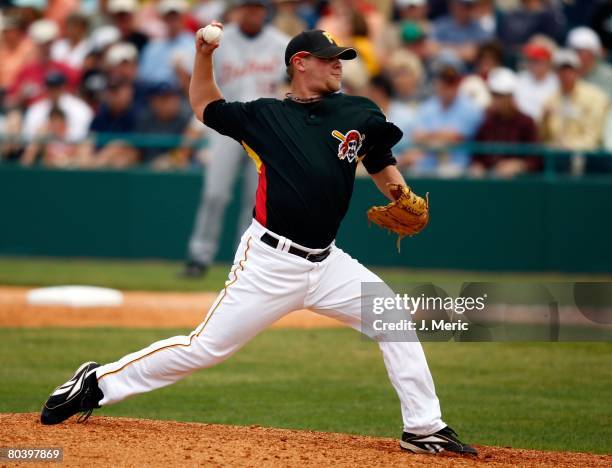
(460,31)
(414,39)
(360,40)
(122,16)
(103,37)
(532,17)
(415,42)
(588,47)
(167,116)
(58,10)
(414,11)
(574,116)
(537,82)
(92,87)
(121,63)
(94,68)
(158,57)
(487,16)
(488,57)
(78,115)
(51,143)
(29,84)
(74,47)
(504,123)
(116,115)
(445,119)
(10,126)
(338,19)
(148,20)
(380,90)
(406,74)
(286,18)
(16,49)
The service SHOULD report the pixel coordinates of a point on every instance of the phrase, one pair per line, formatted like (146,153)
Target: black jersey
(306,157)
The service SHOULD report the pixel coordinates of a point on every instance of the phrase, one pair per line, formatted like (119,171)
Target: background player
(248,65)
(287,258)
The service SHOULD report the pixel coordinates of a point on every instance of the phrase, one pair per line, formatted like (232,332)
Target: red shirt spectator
(504,123)
(15,50)
(29,85)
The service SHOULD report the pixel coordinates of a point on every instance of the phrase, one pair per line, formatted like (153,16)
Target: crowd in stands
(79,77)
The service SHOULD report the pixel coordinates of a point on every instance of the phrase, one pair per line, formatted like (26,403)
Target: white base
(75,296)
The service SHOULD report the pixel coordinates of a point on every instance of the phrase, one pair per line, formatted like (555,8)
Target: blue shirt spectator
(405,117)
(448,31)
(160,57)
(447,118)
(165,116)
(381,91)
(116,113)
(461,117)
(516,27)
(460,31)
(105,121)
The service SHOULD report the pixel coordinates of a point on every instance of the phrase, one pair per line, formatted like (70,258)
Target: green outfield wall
(558,224)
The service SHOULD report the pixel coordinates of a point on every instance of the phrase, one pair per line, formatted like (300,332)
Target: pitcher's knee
(209,353)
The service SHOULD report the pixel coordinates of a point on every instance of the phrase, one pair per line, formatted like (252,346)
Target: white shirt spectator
(62,51)
(531,94)
(78,117)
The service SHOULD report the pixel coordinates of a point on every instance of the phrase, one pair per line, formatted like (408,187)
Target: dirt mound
(140,310)
(104,441)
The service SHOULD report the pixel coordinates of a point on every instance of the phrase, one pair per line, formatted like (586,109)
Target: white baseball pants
(264,285)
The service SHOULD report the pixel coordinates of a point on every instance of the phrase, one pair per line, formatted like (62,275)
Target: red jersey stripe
(261,198)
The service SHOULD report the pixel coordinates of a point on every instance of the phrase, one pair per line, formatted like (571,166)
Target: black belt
(272,241)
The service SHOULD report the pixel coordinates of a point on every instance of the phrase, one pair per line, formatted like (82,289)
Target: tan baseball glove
(406,216)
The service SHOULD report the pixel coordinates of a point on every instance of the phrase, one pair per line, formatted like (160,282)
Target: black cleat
(193,270)
(80,394)
(444,439)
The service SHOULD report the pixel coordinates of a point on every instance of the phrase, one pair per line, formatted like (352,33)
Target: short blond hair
(406,60)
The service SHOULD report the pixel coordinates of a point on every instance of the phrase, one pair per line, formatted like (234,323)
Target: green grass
(162,275)
(553,396)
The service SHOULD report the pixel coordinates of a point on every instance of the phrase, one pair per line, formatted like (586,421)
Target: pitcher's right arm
(202,88)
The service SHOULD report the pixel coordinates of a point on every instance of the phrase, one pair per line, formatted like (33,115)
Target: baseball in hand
(211,34)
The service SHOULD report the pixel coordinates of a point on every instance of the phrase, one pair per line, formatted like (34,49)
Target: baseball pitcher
(306,149)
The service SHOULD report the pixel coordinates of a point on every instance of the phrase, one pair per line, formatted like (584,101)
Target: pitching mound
(104,441)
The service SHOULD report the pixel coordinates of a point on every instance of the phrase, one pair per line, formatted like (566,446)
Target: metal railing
(550,155)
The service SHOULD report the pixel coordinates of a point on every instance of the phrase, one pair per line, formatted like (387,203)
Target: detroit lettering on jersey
(248,68)
(230,71)
(306,156)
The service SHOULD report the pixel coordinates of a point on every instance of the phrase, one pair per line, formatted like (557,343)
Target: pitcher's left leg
(336,292)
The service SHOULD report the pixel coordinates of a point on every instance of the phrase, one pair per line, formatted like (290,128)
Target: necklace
(303,100)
